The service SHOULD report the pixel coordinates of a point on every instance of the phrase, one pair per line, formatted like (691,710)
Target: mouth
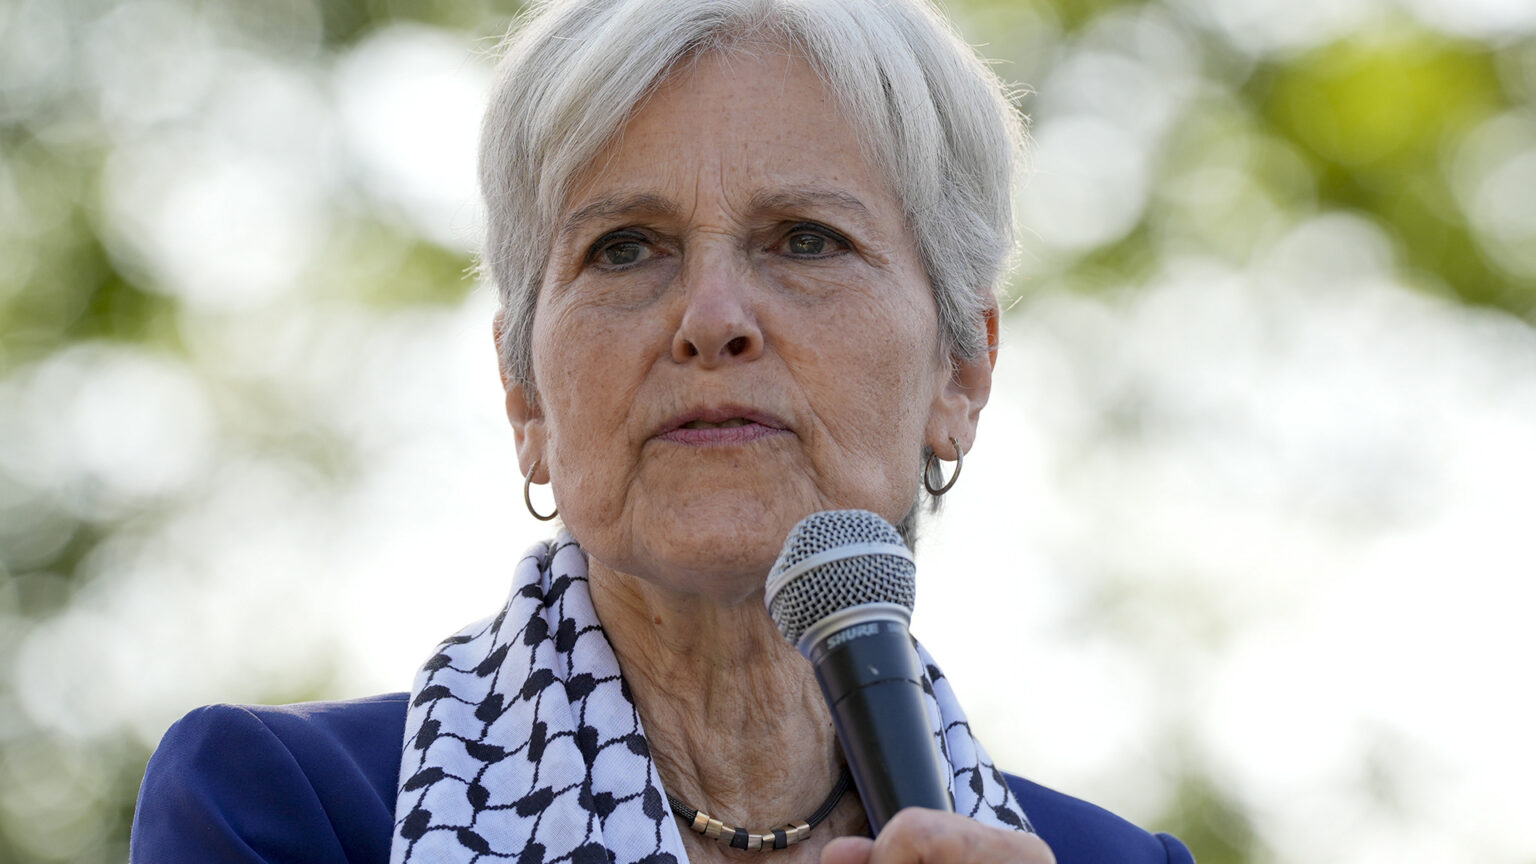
(725,425)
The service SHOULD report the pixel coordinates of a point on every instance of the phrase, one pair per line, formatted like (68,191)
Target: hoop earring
(528,498)
(928,467)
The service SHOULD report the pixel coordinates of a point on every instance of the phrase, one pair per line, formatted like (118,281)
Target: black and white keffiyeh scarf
(522,742)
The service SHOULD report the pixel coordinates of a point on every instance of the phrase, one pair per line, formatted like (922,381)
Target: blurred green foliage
(65,280)
(1368,122)
(1378,117)
(1210,822)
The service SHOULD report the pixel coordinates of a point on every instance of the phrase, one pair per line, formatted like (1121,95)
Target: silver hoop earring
(528,498)
(928,468)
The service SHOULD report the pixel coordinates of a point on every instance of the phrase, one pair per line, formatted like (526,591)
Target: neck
(735,719)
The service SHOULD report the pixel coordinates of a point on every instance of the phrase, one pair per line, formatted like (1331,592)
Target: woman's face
(734,331)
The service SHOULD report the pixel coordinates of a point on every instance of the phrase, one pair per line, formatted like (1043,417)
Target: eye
(618,250)
(809,240)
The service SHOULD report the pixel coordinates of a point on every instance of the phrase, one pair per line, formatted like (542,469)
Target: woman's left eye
(813,241)
(619,250)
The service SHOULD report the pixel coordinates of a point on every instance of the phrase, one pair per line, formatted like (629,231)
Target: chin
(720,543)
(722,551)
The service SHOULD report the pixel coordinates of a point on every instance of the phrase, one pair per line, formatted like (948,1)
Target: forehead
(753,125)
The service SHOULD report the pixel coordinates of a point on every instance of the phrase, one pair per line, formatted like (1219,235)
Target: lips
(721,425)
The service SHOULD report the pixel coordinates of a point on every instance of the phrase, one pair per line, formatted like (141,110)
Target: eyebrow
(800,199)
(641,204)
(648,204)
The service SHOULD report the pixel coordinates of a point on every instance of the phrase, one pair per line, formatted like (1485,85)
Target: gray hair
(934,116)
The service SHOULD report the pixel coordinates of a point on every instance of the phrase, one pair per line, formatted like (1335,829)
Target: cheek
(872,385)
(590,365)
(585,355)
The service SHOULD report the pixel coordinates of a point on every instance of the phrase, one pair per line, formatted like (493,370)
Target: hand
(918,836)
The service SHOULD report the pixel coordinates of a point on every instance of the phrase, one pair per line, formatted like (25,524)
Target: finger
(847,850)
(918,836)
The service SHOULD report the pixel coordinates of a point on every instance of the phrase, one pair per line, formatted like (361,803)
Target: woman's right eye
(619,250)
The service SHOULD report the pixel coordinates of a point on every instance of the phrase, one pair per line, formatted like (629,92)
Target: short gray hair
(934,116)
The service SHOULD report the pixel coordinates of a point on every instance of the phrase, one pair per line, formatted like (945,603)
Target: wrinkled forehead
(771,79)
(755,125)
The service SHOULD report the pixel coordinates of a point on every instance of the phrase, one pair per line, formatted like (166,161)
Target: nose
(719,324)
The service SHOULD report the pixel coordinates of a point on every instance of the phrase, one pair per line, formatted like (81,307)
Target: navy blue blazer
(316,783)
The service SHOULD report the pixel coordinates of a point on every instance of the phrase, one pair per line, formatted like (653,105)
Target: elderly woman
(746,253)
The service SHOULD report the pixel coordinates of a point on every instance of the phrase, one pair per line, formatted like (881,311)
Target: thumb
(847,850)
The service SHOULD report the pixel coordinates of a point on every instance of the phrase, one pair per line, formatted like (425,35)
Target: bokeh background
(1245,548)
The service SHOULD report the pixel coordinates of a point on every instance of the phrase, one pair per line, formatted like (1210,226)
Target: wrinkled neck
(735,718)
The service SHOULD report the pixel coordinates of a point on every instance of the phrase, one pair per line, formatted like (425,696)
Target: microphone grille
(834,560)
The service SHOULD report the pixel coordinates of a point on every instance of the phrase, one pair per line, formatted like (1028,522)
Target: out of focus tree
(153,154)
(207,210)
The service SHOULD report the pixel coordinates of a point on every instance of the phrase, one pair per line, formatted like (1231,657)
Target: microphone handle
(871,680)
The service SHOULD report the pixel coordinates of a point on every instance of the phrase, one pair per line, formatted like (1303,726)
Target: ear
(527,430)
(524,414)
(957,409)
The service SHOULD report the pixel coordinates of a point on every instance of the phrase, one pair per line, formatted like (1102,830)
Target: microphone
(842,593)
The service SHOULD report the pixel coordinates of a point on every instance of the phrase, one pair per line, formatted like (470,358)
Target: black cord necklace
(777,838)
